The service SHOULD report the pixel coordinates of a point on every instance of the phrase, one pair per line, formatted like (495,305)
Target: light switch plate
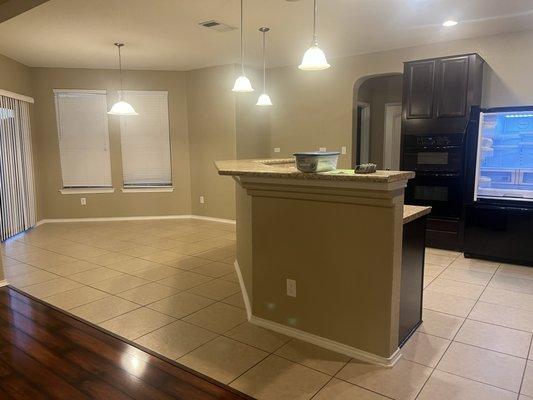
(83,201)
(322,149)
(343,150)
(202,200)
(277,150)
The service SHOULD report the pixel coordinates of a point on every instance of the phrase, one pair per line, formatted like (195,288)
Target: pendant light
(121,107)
(242,84)
(264,99)
(314,58)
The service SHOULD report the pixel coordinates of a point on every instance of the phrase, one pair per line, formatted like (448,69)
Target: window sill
(86,190)
(148,189)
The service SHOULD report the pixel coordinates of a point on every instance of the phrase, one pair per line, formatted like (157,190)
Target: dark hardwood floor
(47,354)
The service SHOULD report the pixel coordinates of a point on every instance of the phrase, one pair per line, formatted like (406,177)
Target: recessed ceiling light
(449,23)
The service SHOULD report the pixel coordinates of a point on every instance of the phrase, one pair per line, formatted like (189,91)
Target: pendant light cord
(119,45)
(315,11)
(264,61)
(242,39)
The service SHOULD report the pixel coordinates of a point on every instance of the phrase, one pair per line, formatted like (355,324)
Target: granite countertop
(285,168)
(410,213)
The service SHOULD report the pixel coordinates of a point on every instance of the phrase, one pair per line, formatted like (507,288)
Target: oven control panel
(433,140)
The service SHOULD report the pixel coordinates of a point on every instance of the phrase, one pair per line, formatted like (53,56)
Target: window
(145,140)
(83,138)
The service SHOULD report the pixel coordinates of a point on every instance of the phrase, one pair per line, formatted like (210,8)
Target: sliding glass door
(17,191)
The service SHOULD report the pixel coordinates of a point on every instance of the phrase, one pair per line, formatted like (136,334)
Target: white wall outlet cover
(343,150)
(277,150)
(322,149)
(83,201)
(291,287)
(202,200)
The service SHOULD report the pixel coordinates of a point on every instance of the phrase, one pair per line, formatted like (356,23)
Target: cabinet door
(420,89)
(452,87)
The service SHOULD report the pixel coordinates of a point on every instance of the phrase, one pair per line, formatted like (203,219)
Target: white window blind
(145,140)
(83,138)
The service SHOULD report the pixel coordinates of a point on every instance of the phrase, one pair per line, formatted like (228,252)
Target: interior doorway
(377,121)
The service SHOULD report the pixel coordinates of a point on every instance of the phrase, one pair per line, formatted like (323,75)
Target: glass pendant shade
(122,108)
(242,85)
(264,100)
(314,59)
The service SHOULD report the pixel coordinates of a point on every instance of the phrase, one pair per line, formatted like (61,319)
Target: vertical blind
(17,191)
(145,140)
(83,138)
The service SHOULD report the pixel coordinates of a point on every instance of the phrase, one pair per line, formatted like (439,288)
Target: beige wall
(315,109)
(46,149)
(14,76)
(212,134)
(377,92)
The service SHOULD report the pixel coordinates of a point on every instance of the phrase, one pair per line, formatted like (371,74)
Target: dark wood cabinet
(420,89)
(452,87)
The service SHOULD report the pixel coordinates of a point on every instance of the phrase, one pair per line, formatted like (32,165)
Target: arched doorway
(377,120)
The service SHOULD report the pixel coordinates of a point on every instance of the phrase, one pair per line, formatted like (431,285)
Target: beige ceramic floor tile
(223,359)
(139,251)
(187,263)
(148,293)
(136,323)
(52,287)
(428,280)
(181,304)
(278,379)
(456,288)
(468,276)
(424,349)
(439,324)
(218,317)
(104,309)
(216,290)
(312,356)
(176,339)
(473,264)
(494,337)
(401,382)
(527,384)
(442,252)
(432,269)
(340,390)
(184,280)
(214,269)
(95,275)
(110,258)
(507,298)
(119,284)
(503,315)
(512,283)
(444,386)
(496,369)
(75,298)
(31,278)
(132,265)
(235,300)
(72,268)
(516,270)
(438,259)
(449,304)
(156,273)
(256,336)
(19,269)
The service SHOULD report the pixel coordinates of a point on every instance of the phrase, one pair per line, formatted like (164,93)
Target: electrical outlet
(83,201)
(291,287)
(343,150)
(202,200)
(277,150)
(322,149)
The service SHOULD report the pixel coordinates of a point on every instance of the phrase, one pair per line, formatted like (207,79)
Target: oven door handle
(439,174)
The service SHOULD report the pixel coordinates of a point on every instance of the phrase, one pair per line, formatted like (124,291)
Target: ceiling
(164,34)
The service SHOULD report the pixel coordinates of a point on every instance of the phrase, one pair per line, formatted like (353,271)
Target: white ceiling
(164,34)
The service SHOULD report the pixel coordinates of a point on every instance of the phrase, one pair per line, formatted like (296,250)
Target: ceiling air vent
(217,26)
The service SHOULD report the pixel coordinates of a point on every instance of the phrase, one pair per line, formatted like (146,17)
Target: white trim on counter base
(327,343)
(311,338)
(141,218)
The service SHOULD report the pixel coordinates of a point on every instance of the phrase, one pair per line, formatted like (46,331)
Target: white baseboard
(3,283)
(327,343)
(141,218)
(246,299)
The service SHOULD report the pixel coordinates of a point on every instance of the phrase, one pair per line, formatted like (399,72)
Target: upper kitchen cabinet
(439,93)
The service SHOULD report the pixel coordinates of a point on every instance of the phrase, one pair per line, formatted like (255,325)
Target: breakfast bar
(319,255)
